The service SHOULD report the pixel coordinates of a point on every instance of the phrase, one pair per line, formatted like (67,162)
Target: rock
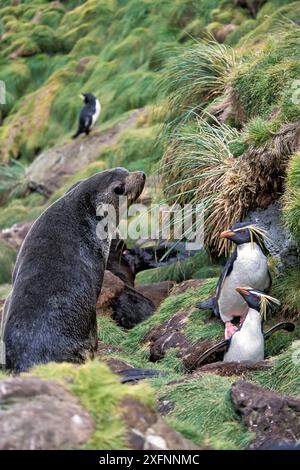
(38,414)
(221,33)
(185,285)
(131,307)
(227,369)
(280,241)
(47,172)
(157,292)
(273,417)
(112,287)
(123,303)
(15,235)
(146,430)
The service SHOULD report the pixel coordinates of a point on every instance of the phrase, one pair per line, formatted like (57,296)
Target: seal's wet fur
(51,312)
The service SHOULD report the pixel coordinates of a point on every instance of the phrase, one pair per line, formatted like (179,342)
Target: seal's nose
(143,175)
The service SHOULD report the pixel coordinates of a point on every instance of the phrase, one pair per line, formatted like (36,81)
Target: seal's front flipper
(287,326)
(219,347)
(130,375)
(207,304)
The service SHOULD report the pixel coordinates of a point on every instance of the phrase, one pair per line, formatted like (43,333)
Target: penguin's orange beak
(227,234)
(242,290)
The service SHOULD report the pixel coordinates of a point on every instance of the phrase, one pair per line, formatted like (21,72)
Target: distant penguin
(248,265)
(88,115)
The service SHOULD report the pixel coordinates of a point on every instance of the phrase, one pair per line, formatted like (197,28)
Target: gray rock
(280,242)
(40,414)
(273,417)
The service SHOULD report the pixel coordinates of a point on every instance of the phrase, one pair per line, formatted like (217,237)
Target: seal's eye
(119,190)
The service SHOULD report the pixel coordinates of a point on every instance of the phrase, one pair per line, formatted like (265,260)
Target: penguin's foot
(230,329)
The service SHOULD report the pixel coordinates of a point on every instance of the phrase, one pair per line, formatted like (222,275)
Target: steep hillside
(204,94)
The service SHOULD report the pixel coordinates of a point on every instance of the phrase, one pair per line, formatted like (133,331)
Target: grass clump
(196,75)
(101,393)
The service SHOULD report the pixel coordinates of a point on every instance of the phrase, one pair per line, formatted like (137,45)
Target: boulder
(123,303)
(38,414)
(280,241)
(15,234)
(146,430)
(273,417)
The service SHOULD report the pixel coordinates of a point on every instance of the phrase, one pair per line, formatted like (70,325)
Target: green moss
(200,328)
(101,393)
(7,261)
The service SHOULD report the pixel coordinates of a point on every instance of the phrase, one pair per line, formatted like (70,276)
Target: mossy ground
(101,393)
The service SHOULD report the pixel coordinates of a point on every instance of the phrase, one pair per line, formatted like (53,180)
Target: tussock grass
(194,76)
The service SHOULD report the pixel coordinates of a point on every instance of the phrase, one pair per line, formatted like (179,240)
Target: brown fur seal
(51,312)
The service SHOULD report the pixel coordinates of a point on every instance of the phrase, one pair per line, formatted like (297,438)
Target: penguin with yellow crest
(247,266)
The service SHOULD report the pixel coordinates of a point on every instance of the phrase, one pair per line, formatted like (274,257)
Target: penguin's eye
(119,190)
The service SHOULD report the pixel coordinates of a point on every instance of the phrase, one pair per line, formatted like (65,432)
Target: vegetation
(220,124)
(101,393)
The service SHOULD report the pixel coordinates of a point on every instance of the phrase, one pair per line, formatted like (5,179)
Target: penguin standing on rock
(88,115)
(248,265)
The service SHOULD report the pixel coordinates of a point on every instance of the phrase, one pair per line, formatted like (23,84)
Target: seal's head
(109,187)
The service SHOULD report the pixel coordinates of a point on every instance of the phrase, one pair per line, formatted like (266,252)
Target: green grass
(204,412)
(287,288)
(284,376)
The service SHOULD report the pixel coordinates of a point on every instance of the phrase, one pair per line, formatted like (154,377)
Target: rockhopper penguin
(88,115)
(247,265)
(247,343)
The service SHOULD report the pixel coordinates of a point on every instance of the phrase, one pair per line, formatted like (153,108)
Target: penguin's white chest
(247,344)
(96,113)
(250,269)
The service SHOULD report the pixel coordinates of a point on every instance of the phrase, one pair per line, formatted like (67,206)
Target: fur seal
(50,314)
